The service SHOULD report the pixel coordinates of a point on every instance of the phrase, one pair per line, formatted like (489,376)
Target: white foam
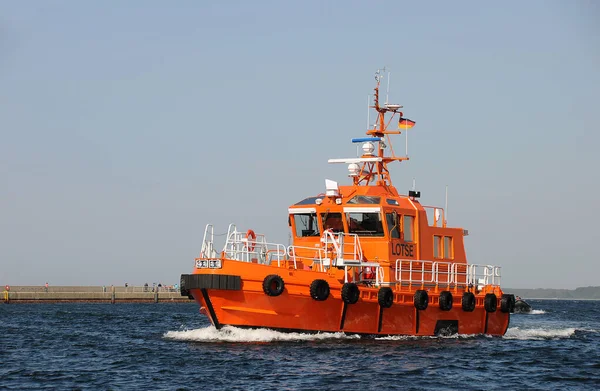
(537,312)
(235,334)
(413,337)
(397,338)
(538,334)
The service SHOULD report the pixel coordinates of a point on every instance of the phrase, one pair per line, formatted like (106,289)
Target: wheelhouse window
(408,228)
(365,224)
(437,246)
(392,225)
(448,250)
(362,199)
(307,201)
(306,224)
(332,221)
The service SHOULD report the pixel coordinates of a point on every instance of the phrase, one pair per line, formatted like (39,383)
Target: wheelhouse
(363,216)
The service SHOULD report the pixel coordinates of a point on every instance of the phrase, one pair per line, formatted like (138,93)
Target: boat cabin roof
(360,195)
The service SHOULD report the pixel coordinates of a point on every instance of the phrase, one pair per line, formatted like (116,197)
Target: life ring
(350,293)
(468,302)
(250,240)
(446,300)
(319,290)
(490,303)
(421,299)
(273,285)
(385,297)
(369,273)
(507,303)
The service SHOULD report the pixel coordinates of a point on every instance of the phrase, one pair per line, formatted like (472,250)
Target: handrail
(442,217)
(338,251)
(340,244)
(329,239)
(207,249)
(446,274)
(317,259)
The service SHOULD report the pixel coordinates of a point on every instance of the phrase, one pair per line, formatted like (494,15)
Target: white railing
(447,274)
(208,250)
(316,260)
(244,248)
(342,248)
(483,275)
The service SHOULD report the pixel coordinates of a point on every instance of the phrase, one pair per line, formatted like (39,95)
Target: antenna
(414,184)
(378,75)
(406,142)
(368,112)
(387,94)
(446,208)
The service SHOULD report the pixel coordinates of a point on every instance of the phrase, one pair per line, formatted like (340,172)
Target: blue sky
(127,126)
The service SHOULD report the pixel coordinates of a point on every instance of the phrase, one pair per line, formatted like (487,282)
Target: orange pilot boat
(364,260)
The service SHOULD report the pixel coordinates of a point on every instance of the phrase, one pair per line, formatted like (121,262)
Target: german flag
(405,123)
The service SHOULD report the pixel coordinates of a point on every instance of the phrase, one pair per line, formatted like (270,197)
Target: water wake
(235,334)
(539,333)
(416,337)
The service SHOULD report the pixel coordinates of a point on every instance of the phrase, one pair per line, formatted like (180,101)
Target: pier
(91,294)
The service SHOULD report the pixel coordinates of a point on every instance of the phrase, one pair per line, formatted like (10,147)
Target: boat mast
(380,131)
(375,164)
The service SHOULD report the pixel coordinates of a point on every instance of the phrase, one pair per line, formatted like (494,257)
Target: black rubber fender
(319,290)
(273,285)
(468,302)
(385,297)
(350,293)
(507,303)
(446,300)
(490,303)
(421,299)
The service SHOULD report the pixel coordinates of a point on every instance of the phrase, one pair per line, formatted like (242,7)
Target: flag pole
(406,135)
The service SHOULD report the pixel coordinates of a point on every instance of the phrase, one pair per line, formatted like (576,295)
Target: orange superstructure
(365,259)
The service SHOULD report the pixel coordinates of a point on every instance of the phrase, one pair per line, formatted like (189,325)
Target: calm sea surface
(173,347)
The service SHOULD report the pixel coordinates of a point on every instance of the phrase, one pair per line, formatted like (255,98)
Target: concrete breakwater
(101,294)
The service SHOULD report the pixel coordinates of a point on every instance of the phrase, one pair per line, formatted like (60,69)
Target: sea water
(173,347)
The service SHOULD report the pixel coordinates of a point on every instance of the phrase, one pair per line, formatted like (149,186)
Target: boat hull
(234,295)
